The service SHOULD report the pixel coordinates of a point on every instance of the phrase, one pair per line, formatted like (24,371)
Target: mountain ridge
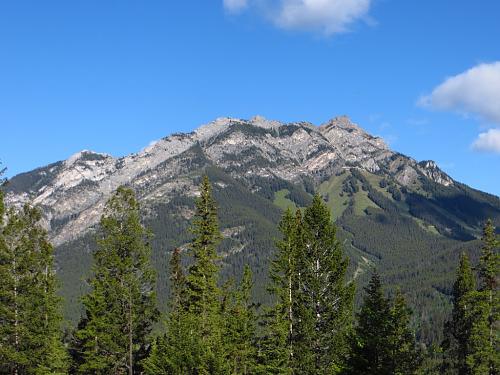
(89,168)
(408,219)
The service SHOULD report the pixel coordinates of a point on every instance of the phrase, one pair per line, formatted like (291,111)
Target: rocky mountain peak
(262,122)
(343,121)
(341,130)
(73,192)
(86,156)
(430,169)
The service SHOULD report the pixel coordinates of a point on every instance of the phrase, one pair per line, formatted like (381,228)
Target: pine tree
(276,352)
(404,355)
(240,327)
(325,299)
(457,330)
(383,343)
(203,296)
(193,342)
(30,319)
(370,344)
(484,355)
(169,354)
(120,308)
(178,282)
(307,328)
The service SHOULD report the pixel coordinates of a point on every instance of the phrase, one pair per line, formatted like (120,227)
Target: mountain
(408,219)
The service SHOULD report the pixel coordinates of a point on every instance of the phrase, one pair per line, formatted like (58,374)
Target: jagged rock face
(432,171)
(72,193)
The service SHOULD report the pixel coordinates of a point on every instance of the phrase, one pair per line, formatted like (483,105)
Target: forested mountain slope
(406,218)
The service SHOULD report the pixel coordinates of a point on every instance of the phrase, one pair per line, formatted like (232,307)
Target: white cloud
(488,141)
(326,16)
(475,91)
(235,6)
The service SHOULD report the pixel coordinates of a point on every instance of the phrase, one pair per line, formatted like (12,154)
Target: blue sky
(111,76)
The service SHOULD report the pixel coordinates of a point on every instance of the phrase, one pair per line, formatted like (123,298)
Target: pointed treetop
(489,267)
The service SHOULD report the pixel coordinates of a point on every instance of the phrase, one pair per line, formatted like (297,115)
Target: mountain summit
(72,193)
(406,218)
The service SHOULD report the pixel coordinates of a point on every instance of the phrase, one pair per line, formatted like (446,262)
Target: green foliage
(457,331)
(282,201)
(120,307)
(370,353)
(193,342)
(471,345)
(405,357)
(306,330)
(484,341)
(173,352)
(277,342)
(30,319)
(240,320)
(383,343)
(325,297)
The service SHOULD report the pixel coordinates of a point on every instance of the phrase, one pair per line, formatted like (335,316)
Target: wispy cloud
(328,17)
(235,6)
(475,91)
(488,141)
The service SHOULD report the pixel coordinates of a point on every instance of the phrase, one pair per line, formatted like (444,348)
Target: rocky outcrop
(72,193)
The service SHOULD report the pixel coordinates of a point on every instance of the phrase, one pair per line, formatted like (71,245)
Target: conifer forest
(312,323)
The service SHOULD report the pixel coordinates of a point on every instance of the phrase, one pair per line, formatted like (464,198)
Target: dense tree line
(472,337)
(30,318)
(211,325)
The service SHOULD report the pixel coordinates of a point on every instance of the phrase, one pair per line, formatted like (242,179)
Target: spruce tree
(30,318)
(120,309)
(169,353)
(383,343)
(203,296)
(483,356)
(276,352)
(308,326)
(457,331)
(325,298)
(370,344)
(240,327)
(404,355)
(193,342)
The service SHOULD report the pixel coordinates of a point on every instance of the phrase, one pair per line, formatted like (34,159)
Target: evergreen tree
(404,355)
(370,344)
(178,282)
(120,308)
(484,354)
(307,329)
(276,355)
(457,330)
(193,343)
(202,291)
(169,353)
(203,296)
(240,327)
(383,343)
(30,318)
(325,299)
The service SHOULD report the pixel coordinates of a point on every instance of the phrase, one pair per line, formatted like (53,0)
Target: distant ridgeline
(406,219)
